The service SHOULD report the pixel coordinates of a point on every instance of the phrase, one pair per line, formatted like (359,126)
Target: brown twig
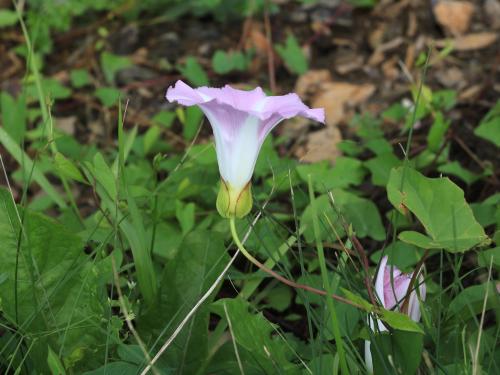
(406,302)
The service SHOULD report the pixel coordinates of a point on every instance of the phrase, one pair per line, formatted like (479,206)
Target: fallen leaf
(310,81)
(454,16)
(66,124)
(492,12)
(322,145)
(335,96)
(451,77)
(469,42)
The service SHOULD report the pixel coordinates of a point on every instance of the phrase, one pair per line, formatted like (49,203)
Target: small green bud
(234,203)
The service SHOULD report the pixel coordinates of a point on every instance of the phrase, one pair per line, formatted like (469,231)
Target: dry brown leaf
(492,11)
(454,16)
(66,124)
(322,145)
(334,96)
(310,81)
(469,42)
(451,77)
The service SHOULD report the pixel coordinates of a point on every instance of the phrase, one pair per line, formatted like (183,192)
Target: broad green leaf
(401,350)
(489,128)
(194,72)
(67,168)
(403,255)
(380,167)
(469,302)
(440,206)
(292,55)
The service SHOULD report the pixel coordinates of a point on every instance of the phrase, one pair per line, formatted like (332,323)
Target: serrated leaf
(440,206)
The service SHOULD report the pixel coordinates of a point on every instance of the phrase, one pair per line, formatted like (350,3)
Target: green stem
(326,284)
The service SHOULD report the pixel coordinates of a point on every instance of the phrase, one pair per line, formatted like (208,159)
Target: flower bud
(232,202)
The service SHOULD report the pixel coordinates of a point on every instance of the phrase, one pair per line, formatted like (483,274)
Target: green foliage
(489,128)
(292,55)
(226,62)
(194,72)
(441,208)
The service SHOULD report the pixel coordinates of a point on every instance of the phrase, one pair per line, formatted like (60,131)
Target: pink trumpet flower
(240,120)
(391,292)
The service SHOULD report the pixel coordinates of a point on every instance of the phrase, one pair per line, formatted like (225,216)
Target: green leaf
(79,78)
(29,168)
(151,137)
(193,72)
(253,333)
(8,17)
(454,168)
(380,167)
(346,172)
(470,301)
(115,368)
(401,350)
(185,213)
(194,117)
(104,175)
(55,364)
(164,118)
(107,95)
(292,55)
(58,287)
(485,257)
(440,206)
(67,168)
(489,127)
(52,89)
(225,62)
(360,212)
(14,116)
(185,279)
(112,64)
(435,138)
(400,321)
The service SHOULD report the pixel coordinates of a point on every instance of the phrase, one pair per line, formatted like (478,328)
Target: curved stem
(277,276)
